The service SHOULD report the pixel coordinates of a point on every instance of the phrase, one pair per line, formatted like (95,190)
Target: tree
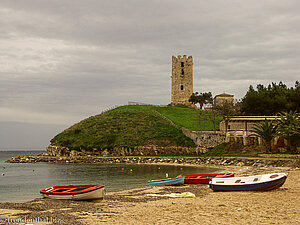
(226,109)
(212,117)
(202,98)
(271,99)
(289,129)
(267,131)
(193,99)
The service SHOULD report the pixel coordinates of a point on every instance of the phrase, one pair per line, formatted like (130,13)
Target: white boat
(74,192)
(265,182)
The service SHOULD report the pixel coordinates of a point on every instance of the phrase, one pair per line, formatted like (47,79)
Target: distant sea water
(5,155)
(22,182)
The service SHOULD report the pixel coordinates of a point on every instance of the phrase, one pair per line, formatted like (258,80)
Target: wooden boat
(74,192)
(169,181)
(265,182)
(204,178)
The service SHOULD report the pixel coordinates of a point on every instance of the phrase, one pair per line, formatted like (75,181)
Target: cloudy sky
(64,60)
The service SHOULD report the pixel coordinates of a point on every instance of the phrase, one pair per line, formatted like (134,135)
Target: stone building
(182,80)
(239,128)
(220,99)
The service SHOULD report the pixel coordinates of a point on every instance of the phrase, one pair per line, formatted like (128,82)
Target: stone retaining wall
(207,139)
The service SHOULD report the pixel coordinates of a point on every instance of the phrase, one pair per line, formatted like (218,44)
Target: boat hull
(167,182)
(92,194)
(260,186)
(204,178)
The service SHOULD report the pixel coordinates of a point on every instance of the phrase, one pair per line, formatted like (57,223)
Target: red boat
(204,178)
(74,192)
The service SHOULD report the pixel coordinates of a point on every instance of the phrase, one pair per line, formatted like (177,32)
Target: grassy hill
(129,126)
(182,116)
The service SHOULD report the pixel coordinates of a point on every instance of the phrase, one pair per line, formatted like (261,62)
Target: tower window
(181,87)
(182,72)
(182,64)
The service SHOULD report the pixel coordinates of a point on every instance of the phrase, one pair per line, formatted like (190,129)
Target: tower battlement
(183,58)
(182,79)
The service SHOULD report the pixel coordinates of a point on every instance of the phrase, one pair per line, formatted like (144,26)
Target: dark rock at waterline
(209,161)
(123,151)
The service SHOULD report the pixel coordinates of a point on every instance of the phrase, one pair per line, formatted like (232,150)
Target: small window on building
(228,127)
(182,72)
(181,87)
(182,64)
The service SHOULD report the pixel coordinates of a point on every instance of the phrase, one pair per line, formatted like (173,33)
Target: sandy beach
(280,206)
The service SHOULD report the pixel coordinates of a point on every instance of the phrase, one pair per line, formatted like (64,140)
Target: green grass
(133,125)
(181,116)
(122,127)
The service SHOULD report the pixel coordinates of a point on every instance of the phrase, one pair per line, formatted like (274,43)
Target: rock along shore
(206,161)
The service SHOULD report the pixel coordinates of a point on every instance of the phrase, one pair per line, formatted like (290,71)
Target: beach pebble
(240,164)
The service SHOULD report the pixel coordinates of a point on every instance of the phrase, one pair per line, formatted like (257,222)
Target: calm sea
(22,182)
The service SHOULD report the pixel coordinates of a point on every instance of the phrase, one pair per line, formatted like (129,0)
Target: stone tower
(182,80)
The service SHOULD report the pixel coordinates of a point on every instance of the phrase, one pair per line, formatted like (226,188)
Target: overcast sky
(64,60)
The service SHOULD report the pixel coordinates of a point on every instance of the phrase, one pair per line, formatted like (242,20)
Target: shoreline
(133,206)
(279,161)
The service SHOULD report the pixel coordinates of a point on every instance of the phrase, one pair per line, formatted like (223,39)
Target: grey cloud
(72,59)
(12,135)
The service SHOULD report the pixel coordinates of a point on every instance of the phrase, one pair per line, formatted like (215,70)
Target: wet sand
(280,206)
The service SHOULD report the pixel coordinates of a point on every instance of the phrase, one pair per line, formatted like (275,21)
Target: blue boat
(169,181)
(265,182)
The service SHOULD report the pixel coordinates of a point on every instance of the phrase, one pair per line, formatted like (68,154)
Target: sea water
(21,182)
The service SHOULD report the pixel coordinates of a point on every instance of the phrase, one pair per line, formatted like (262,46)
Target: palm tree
(267,131)
(289,129)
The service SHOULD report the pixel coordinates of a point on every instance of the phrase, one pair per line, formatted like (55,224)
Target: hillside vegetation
(182,116)
(130,126)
